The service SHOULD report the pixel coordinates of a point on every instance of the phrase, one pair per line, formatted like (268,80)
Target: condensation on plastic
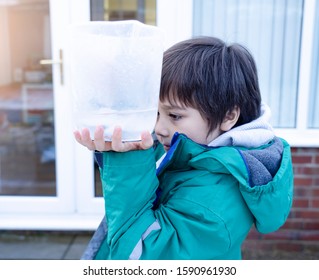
(115,75)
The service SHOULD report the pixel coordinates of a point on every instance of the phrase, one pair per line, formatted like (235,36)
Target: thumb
(146,140)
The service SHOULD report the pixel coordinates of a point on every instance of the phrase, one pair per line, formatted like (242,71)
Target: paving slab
(77,247)
(42,245)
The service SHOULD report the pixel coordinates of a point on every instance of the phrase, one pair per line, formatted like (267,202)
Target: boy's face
(177,118)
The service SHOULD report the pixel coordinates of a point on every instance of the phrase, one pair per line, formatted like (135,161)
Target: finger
(77,136)
(99,138)
(117,144)
(86,139)
(146,140)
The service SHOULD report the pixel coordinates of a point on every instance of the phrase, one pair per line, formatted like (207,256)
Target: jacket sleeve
(129,184)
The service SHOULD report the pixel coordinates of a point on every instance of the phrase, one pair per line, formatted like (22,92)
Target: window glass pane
(271,30)
(27,131)
(142,10)
(314,93)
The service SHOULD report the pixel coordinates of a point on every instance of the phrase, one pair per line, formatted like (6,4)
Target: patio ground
(71,245)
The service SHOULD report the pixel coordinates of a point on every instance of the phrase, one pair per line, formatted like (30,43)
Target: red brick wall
(299,237)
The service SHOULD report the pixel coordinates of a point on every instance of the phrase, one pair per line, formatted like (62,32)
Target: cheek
(200,138)
(198,133)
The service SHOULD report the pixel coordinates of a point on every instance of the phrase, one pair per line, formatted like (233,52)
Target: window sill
(300,138)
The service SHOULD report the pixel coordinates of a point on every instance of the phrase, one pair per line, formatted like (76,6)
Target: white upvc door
(69,202)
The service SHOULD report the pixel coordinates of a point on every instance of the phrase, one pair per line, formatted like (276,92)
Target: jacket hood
(254,134)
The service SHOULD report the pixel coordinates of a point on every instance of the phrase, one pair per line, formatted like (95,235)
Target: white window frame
(302,136)
(176,18)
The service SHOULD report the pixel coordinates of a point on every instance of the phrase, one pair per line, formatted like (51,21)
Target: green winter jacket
(200,203)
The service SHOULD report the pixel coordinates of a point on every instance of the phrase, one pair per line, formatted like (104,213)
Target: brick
(312,225)
(254,234)
(305,170)
(314,203)
(301,224)
(301,191)
(302,159)
(258,245)
(288,246)
(306,214)
(293,224)
(311,235)
(282,235)
(315,192)
(301,203)
(292,214)
(303,181)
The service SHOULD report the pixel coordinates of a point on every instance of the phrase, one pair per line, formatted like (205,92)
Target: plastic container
(115,76)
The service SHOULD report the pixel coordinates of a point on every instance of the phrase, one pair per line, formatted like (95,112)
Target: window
(271,30)
(141,10)
(283,36)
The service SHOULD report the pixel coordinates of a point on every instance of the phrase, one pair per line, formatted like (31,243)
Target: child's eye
(175,117)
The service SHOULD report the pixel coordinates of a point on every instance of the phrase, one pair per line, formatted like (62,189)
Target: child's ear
(230,119)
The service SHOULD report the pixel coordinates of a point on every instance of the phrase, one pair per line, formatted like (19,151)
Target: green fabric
(206,208)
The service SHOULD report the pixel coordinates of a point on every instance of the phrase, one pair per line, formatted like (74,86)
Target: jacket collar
(182,148)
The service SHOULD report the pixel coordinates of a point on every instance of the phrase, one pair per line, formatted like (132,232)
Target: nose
(160,127)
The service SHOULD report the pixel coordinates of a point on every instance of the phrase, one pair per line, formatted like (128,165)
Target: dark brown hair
(206,74)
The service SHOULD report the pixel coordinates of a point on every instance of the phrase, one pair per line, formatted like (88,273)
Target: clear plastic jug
(115,76)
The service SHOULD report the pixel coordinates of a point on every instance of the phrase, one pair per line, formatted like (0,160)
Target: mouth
(166,147)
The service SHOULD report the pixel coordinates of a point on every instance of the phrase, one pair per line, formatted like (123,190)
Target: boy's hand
(116,144)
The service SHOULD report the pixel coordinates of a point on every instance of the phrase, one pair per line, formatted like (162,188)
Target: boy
(223,170)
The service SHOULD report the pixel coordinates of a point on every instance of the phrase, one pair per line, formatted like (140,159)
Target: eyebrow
(172,107)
